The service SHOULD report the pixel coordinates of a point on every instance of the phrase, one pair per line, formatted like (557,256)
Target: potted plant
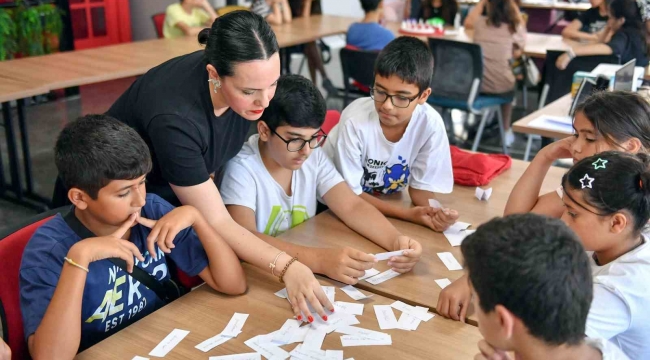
(30,29)
(7,34)
(52,26)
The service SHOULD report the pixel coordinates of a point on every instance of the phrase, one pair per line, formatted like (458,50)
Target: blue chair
(456,82)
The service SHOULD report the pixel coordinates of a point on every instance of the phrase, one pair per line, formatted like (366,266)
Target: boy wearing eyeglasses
(394,140)
(275,181)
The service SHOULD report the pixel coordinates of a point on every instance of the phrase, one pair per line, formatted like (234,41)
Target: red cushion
(11,253)
(477,169)
(332,118)
(158,21)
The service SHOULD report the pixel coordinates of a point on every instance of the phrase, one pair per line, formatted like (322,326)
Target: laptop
(586,88)
(624,77)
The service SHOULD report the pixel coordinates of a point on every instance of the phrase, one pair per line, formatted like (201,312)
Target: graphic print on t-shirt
(379,178)
(125,298)
(278,217)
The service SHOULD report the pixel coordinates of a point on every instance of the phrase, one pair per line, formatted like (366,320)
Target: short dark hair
(622,184)
(297,102)
(535,267)
(409,59)
(618,116)
(370,5)
(237,37)
(95,149)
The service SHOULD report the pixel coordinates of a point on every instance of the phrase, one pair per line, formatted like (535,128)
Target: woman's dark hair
(237,37)
(448,12)
(629,10)
(503,12)
(618,116)
(614,181)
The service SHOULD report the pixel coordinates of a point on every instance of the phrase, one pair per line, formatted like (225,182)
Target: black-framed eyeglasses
(295,145)
(399,101)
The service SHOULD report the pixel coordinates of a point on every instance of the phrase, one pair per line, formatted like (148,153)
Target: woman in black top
(626,33)
(589,24)
(194,113)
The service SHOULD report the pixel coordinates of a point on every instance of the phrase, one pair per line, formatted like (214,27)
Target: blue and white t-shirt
(371,163)
(112,299)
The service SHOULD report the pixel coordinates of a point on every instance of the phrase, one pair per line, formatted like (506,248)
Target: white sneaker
(510,138)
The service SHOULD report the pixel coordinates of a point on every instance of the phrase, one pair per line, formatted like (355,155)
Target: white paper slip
(388,255)
(385,317)
(314,339)
(235,325)
(247,356)
(556,123)
(282,294)
(369,273)
(334,321)
(355,340)
(411,310)
(169,343)
(213,342)
(301,353)
(386,275)
(285,334)
(334,354)
(410,322)
(443,283)
(354,293)
(139,358)
(299,334)
(349,359)
(330,292)
(483,194)
(349,308)
(450,261)
(266,349)
(361,332)
(435,204)
(456,233)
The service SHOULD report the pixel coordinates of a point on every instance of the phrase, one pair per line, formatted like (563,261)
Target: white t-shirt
(619,311)
(370,163)
(607,349)
(246,182)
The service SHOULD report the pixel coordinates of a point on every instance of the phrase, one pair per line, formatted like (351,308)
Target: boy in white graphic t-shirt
(394,139)
(275,181)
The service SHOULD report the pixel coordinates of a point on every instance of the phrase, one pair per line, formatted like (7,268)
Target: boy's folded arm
(386,208)
(420,197)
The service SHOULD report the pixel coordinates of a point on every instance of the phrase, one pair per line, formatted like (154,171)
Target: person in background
(369,34)
(626,33)
(275,12)
(307,8)
(394,10)
(444,9)
(501,34)
(188,18)
(589,24)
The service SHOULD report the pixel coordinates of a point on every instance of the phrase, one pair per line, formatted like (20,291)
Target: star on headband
(586,181)
(599,164)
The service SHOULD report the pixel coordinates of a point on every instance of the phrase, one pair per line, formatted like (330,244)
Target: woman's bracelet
(73,263)
(273,264)
(286,267)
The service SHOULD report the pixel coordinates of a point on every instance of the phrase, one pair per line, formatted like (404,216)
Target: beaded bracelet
(286,267)
(71,262)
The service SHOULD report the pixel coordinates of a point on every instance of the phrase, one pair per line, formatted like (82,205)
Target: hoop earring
(216,83)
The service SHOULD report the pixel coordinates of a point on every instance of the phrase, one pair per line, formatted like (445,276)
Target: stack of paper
(411,315)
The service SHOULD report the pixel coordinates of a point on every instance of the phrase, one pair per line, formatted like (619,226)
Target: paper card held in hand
(369,273)
(435,204)
(386,275)
(388,255)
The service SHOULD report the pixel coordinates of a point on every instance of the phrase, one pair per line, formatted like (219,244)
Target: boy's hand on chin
(164,231)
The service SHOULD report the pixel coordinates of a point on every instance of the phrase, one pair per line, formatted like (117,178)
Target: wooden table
(536,44)
(557,5)
(205,313)
(418,287)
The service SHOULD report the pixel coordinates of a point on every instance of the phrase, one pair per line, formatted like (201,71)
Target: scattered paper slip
(386,275)
(450,261)
(456,233)
(388,255)
(213,342)
(301,353)
(409,322)
(349,308)
(330,291)
(482,194)
(334,321)
(139,358)
(169,343)
(354,293)
(443,283)
(385,317)
(435,204)
(282,293)
(369,273)
(314,339)
(334,354)
(266,349)
(235,325)
(355,340)
(248,356)
(361,332)
(411,310)
(285,334)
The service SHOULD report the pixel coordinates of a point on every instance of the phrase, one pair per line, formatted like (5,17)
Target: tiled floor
(46,120)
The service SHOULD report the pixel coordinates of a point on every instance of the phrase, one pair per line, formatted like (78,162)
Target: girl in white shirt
(607,204)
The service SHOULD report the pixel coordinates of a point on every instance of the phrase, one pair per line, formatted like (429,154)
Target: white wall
(342,7)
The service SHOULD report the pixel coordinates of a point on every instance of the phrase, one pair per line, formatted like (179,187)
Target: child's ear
(632,145)
(618,223)
(507,322)
(264,131)
(78,198)
(424,96)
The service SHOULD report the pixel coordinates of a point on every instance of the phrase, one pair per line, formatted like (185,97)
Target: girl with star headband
(605,121)
(607,204)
